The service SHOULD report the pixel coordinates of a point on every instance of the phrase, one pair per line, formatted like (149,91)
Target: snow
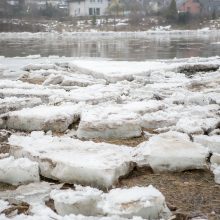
(3,205)
(115,120)
(171,152)
(18,171)
(211,142)
(81,201)
(99,93)
(215,159)
(109,99)
(33,193)
(197,125)
(74,161)
(145,202)
(14,103)
(216,172)
(54,118)
(108,122)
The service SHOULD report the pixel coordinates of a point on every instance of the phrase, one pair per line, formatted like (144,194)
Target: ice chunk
(81,201)
(4,135)
(3,205)
(14,103)
(109,122)
(196,125)
(216,172)
(98,93)
(18,171)
(215,159)
(32,193)
(168,152)
(74,161)
(114,71)
(212,142)
(146,202)
(159,119)
(54,118)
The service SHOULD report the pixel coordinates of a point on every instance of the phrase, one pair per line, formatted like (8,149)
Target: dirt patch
(193,193)
(5,186)
(132,142)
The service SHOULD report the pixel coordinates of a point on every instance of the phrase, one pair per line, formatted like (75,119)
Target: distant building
(88,7)
(193,7)
(196,7)
(155,6)
(40,4)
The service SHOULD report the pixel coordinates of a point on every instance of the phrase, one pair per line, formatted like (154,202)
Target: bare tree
(115,8)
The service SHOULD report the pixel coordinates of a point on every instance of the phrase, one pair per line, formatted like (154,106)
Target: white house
(88,7)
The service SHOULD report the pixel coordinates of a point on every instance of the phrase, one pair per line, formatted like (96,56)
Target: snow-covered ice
(33,193)
(145,202)
(3,205)
(81,201)
(74,161)
(115,121)
(14,103)
(18,171)
(211,142)
(108,122)
(54,118)
(171,152)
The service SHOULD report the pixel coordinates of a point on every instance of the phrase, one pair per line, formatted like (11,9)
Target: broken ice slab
(109,122)
(171,152)
(37,192)
(215,159)
(115,121)
(42,118)
(216,172)
(3,205)
(145,202)
(197,125)
(81,201)
(211,142)
(18,171)
(98,93)
(74,161)
(13,103)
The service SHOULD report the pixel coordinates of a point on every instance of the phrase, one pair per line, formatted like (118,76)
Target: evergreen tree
(172,13)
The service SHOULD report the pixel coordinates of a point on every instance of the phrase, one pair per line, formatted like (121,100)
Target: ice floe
(54,118)
(18,171)
(145,202)
(74,161)
(171,152)
(211,142)
(33,193)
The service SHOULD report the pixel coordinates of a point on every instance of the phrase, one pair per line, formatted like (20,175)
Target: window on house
(97,11)
(90,11)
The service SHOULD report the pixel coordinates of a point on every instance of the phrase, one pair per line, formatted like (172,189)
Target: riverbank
(88,25)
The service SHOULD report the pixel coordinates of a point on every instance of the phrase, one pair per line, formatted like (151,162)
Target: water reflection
(156,47)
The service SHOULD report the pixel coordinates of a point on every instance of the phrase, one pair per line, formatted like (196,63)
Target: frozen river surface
(133,48)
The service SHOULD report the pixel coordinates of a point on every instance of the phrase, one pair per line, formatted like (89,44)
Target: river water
(131,48)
